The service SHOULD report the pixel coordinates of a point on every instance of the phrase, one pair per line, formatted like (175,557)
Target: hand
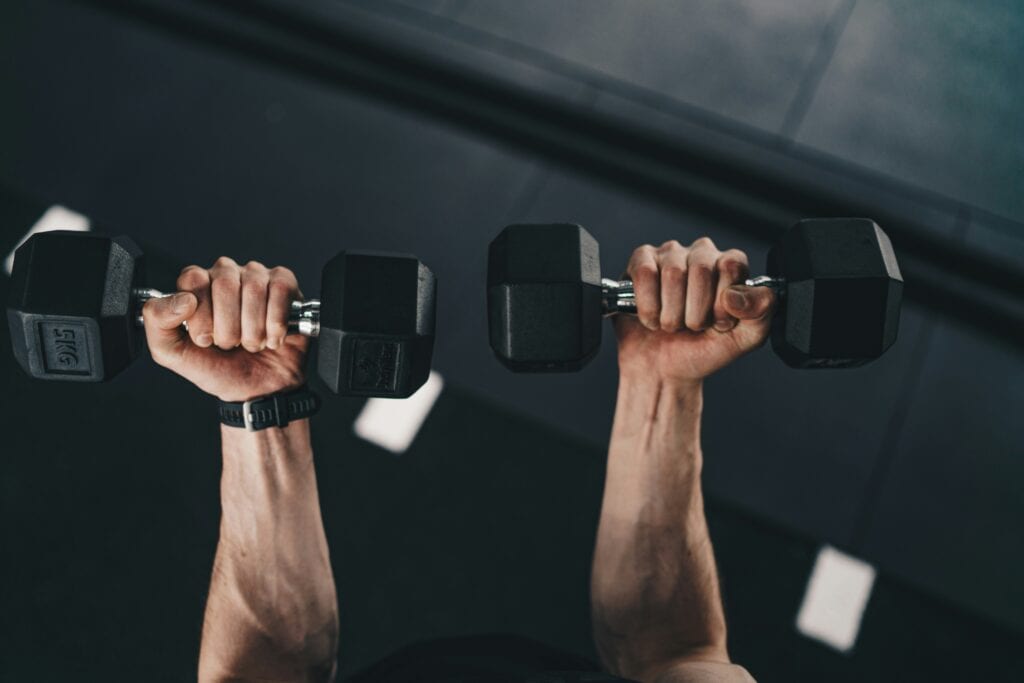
(235,346)
(694,315)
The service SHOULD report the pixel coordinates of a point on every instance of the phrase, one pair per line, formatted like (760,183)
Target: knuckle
(282,272)
(254,287)
(727,261)
(734,269)
(646,271)
(642,253)
(196,331)
(192,276)
(695,321)
(226,339)
(251,343)
(701,270)
(192,268)
(673,273)
(733,261)
(279,288)
(225,262)
(225,284)
(737,255)
(703,242)
(670,245)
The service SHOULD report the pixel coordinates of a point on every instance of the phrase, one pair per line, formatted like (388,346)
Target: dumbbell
(838,282)
(75,314)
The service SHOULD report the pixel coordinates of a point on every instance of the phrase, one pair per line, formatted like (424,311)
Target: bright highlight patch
(836,597)
(391,423)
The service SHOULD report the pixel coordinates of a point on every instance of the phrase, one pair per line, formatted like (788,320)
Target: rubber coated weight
(544,297)
(377,315)
(79,326)
(841,306)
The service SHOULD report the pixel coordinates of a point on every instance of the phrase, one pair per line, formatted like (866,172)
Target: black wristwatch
(276,410)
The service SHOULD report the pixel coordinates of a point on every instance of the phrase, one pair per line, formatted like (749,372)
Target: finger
(254,280)
(749,303)
(200,325)
(733,268)
(282,290)
(162,318)
(700,284)
(672,264)
(643,271)
(226,293)
(754,308)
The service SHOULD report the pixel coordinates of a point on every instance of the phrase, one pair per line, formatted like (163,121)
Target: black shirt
(483,659)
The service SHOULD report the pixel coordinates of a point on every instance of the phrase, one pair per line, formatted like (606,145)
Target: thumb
(749,303)
(753,307)
(163,317)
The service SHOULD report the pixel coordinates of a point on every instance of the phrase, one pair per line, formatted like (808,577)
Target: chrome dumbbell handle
(617,296)
(303,316)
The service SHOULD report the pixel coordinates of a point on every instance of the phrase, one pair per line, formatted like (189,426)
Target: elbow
(664,667)
(644,651)
(298,627)
(279,650)
(311,646)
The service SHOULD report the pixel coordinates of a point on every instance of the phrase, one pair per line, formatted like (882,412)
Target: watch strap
(276,410)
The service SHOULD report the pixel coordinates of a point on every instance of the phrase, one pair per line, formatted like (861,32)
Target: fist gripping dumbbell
(837,279)
(75,313)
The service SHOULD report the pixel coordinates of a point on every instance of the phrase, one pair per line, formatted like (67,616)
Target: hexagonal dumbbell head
(70,309)
(377,315)
(843,291)
(544,297)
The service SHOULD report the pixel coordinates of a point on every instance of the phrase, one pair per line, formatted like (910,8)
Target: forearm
(272,609)
(655,595)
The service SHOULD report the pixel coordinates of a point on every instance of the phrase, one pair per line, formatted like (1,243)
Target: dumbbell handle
(617,296)
(303,316)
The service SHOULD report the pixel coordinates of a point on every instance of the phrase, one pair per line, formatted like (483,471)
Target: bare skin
(657,611)
(271,614)
(272,609)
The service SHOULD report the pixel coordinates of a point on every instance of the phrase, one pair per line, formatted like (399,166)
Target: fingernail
(736,300)
(180,302)
(724,325)
(204,339)
(271,343)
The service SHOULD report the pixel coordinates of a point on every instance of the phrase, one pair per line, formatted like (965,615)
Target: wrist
(273,410)
(291,442)
(237,394)
(638,383)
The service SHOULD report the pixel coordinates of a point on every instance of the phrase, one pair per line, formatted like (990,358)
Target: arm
(656,606)
(271,614)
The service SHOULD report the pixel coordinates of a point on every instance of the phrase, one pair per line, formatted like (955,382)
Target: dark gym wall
(911,462)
